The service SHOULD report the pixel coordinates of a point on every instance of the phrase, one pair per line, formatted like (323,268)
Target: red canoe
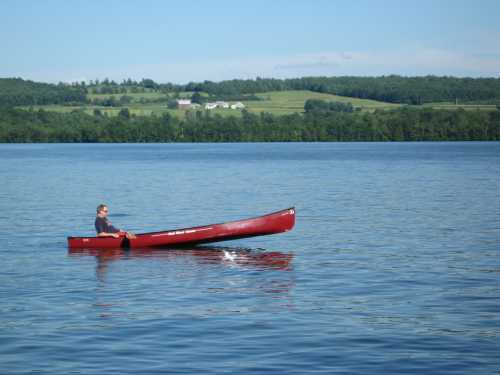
(276,222)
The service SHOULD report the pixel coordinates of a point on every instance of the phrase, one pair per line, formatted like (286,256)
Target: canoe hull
(276,222)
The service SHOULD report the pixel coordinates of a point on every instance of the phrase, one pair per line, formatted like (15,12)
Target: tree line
(320,122)
(16,92)
(392,89)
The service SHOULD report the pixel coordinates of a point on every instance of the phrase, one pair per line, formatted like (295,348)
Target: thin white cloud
(414,61)
(432,61)
(410,61)
(419,61)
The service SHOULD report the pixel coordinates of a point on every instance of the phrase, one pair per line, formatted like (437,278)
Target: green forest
(321,122)
(16,91)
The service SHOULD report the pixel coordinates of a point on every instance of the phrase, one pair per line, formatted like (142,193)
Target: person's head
(102,210)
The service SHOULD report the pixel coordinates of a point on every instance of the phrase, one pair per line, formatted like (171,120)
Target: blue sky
(181,41)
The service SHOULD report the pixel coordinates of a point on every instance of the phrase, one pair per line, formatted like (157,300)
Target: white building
(183,103)
(210,105)
(237,105)
(221,104)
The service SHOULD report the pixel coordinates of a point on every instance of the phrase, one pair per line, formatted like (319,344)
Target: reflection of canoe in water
(207,255)
(276,222)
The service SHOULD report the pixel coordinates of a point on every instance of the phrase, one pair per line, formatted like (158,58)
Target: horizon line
(119,82)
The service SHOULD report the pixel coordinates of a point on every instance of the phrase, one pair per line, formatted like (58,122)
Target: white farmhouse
(237,105)
(183,103)
(221,104)
(210,105)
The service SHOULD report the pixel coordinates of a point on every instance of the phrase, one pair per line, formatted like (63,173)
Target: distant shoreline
(309,109)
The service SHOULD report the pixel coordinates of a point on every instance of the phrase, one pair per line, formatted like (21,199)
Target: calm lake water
(393,266)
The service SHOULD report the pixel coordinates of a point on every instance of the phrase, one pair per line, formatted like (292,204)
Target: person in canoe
(104,227)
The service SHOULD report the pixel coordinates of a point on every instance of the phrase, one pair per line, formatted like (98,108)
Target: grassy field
(285,102)
(450,105)
(276,102)
(134,108)
(135,96)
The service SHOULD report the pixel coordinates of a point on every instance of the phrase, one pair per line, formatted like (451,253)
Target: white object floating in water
(230,255)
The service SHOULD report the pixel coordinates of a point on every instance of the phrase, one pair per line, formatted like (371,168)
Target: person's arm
(105,234)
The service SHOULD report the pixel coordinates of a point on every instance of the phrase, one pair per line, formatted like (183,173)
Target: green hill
(17,92)
(276,102)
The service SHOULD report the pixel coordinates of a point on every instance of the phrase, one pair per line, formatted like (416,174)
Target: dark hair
(101,207)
